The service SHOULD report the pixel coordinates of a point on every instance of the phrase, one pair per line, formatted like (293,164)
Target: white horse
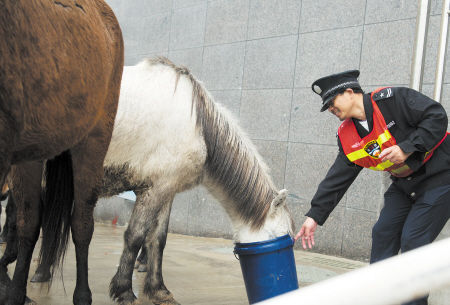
(169,136)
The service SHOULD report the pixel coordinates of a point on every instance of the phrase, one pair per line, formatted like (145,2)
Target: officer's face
(341,105)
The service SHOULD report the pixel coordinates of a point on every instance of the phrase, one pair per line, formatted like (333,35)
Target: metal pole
(392,281)
(420,44)
(442,51)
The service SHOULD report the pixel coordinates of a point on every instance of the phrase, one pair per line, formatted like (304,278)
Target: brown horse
(60,70)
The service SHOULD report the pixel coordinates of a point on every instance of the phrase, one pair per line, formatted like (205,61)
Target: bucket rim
(265,246)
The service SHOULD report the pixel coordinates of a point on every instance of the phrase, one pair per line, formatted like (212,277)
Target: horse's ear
(280,198)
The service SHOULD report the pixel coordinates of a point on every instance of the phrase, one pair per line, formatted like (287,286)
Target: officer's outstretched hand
(307,233)
(394,154)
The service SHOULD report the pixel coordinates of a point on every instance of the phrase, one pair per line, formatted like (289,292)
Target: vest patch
(373,149)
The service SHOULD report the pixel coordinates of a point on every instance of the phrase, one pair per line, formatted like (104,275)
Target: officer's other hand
(307,233)
(394,154)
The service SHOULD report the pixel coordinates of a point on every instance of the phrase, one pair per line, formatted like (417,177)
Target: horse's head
(278,222)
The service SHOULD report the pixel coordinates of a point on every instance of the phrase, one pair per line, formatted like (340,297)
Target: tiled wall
(259,58)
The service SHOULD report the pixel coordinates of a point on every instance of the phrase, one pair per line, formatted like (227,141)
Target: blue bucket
(268,267)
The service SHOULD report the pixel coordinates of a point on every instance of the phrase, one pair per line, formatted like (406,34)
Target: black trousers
(406,223)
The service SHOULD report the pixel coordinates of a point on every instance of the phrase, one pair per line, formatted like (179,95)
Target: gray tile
(187,3)
(320,15)
(270,63)
(388,10)
(223,66)
(357,239)
(146,8)
(179,216)
(308,124)
(436,7)
(188,27)
(327,52)
(226,21)
(431,52)
(132,59)
(208,218)
(265,113)
(328,238)
(156,39)
(306,166)
(274,154)
(190,58)
(273,18)
(387,52)
(366,192)
(230,99)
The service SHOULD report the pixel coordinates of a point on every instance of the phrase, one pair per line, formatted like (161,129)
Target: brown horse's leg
(26,180)
(87,160)
(148,222)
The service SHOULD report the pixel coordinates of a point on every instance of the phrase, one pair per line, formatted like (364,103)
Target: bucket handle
(237,257)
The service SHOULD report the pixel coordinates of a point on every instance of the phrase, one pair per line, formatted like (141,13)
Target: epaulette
(382,93)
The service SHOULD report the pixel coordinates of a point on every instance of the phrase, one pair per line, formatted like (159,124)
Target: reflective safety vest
(365,152)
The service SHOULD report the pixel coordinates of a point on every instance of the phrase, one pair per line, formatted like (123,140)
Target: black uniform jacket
(417,123)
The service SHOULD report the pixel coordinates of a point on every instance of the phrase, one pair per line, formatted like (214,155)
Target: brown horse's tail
(58,199)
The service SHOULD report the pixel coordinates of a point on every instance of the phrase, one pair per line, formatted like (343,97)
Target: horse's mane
(232,160)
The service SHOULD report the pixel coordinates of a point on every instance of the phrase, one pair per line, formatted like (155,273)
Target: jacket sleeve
(331,190)
(427,116)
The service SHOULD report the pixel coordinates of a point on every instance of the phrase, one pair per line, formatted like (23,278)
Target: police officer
(394,129)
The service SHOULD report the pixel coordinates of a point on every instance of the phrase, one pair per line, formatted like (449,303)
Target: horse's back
(155,129)
(59,61)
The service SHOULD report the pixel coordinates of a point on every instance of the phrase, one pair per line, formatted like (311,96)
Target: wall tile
(389,10)
(265,113)
(274,155)
(328,52)
(230,99)
(308,124)
(223,66)
(187,3)
(306,167)
(179,216)
(387,52)
(190,58)
(270,63)
(273,18)
(318,15)
(226,21)
(366,192)
(146,8)
(188,27)
(357,233)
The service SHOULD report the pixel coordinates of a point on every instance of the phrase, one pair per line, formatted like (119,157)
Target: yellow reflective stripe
(384,137)
(382,166)
(359,154)
(400,169)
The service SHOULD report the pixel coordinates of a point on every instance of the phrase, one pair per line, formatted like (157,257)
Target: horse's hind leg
(87,158)
(26,179)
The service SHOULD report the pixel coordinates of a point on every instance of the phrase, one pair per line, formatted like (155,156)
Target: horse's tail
(58,199)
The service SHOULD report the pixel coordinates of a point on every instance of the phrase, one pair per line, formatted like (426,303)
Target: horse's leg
(87,158)
(148,214)
(26,179)
(10,253)
(8,211)
(155,243)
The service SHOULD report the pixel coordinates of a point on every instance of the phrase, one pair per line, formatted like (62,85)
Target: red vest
(365,151)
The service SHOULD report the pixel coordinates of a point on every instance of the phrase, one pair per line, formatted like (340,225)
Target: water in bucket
(268,267)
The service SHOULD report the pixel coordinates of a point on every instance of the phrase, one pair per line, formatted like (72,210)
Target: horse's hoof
(163,297)
(29,301)
(41,277)
(142,268)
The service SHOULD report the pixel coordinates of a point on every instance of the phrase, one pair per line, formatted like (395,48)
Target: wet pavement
(197,270)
